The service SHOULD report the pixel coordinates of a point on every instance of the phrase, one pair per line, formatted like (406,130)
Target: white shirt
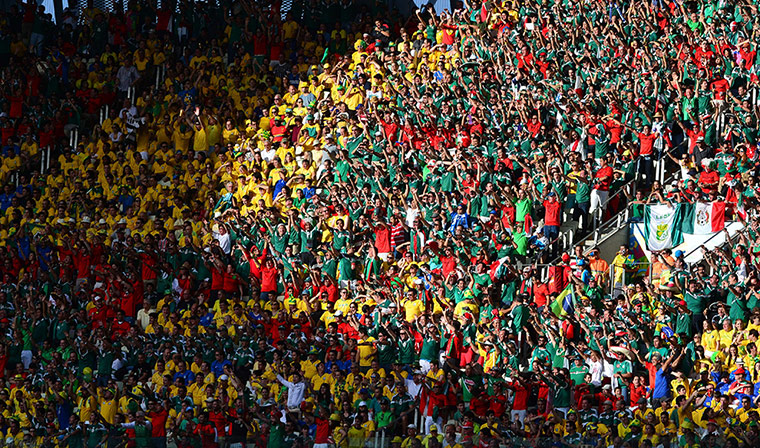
(595,369)
(224,242)
(295,392)
(143,317)
(413,388)
(126,76)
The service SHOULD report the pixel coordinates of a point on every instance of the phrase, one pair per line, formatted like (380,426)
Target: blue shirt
(5,201)
(207,320)
(218,367)
(458,220)
(126,202)
(187,375)
(661,386)
(8,149)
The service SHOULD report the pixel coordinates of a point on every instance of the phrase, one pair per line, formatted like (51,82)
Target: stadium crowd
(224,225)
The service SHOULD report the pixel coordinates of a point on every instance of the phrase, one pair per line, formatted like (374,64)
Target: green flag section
(704,218)
(564,304)
(663,226)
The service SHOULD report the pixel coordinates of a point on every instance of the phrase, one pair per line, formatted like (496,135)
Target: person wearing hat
(411,436)
(384,417)
(600,269)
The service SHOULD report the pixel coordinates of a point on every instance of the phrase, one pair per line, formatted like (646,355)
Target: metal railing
(103,114)
(74,137)
(603,231)
(624,279)
(132,95)
(160,75)
(566,240)
(598,214)
(45,159)
(729,239)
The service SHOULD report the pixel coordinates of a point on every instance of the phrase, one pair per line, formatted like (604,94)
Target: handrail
(728,240)
(599,225)
(600,211)
(614,220)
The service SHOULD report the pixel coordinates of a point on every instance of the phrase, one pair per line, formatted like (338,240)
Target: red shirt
(230,282)
(278,132)
(390,130)
(479,405)
(383,239)
(128,304)
(147,262)
(533,127)
(158,423)
(348,330)
(322,434)
(119,329)
(524,60)
(269,279)
(552,214)
(218,419)
(708,178)
(615,131)
(447,37)
(521,396)
(449,264)
(99,316)
(646,143)
(720,86)
(539,294)
(217,279)
(498,405)
(606,173)
(331,290)
(637,393)
(260,44)
(15,106)
(207,435)
(82,264)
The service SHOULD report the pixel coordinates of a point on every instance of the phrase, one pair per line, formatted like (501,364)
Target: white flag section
(709,217)
(662,229)
(439,6)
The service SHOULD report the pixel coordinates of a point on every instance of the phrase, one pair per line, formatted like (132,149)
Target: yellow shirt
(366,352)
(289,29)
(710,340)
(413,308)
(108,408)
(200,140)
(726,338)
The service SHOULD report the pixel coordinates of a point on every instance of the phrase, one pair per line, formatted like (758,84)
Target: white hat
(86,220)
(224,378)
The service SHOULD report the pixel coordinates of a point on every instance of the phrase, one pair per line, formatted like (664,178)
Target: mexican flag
(498,268)
(662,229)
(704,218)
(480,15)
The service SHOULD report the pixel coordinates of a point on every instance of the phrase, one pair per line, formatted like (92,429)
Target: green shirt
(577,373)
(582,192)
